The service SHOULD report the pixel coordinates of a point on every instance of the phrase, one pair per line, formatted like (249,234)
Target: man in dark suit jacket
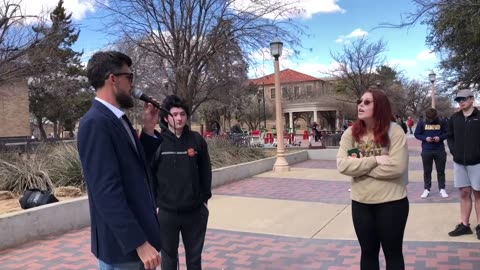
(124,227)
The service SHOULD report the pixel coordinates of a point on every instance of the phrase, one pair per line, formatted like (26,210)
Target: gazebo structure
(303,96)
(314,108)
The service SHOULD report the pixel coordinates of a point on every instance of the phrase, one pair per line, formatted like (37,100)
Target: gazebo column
(290,119)
(315,116)
(337,122)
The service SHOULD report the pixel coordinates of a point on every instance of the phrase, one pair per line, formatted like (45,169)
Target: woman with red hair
(374,153)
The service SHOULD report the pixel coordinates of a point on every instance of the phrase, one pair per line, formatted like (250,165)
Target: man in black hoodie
(464,143)
(181,164)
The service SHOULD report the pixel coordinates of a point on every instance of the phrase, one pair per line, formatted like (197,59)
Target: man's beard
(125,101)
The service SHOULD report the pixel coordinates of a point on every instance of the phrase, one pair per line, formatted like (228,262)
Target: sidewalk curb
(20,227)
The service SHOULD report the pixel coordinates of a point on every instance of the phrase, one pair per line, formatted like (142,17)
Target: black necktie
(130,130)
(131,133)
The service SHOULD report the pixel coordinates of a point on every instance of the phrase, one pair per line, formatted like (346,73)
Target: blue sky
(330,25)
(406,48)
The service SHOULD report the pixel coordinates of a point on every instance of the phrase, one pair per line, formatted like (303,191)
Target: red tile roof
(286,76)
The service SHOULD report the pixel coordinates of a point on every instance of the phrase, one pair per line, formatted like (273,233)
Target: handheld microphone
(138,94)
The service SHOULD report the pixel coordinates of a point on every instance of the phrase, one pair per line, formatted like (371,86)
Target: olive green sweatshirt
(373,183)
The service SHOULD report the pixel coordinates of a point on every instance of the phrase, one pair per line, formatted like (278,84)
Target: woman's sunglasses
(366,102)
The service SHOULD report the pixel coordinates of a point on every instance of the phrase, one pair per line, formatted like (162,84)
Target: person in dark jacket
(181,164)
(124,225)
(401,123)
(316,133)
(464,143)
(432,133)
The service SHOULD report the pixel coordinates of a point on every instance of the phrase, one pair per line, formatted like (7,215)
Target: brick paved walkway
(235,250)
(246,251)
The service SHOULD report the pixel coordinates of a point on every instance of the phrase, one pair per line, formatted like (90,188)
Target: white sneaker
(443,193)
(425,194)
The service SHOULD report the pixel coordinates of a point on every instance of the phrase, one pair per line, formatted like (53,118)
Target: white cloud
(311,7)
(288,60)
(304,8)
(78,8)
(261,55)
(423,58)
(359,32)
(264,62)
(402,63)
(426,55)
(316,69)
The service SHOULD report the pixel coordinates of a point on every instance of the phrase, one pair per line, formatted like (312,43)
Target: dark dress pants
(440,158)
(193,226)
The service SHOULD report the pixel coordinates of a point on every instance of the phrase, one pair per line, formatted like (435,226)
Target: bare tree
(417,98)
(250,112)
(453,33)
(190,38)
(17,40)
(357,63)
(149,75)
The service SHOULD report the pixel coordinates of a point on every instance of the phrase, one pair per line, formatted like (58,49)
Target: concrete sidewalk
(295,220)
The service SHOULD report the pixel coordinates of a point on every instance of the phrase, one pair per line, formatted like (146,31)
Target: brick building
(305,99)
(14,110)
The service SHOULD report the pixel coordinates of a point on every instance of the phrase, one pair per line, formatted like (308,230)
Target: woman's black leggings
(381,224)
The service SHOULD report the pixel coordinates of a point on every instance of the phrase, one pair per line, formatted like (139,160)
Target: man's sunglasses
(128,74)
(366,102)
(461,99)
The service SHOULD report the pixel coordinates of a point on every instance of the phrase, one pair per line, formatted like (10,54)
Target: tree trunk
(43,134)
(55,130)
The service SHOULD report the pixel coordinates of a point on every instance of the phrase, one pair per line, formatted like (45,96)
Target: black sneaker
(461,229)
(477,230)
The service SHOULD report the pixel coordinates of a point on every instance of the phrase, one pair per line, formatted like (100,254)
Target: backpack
(36,197)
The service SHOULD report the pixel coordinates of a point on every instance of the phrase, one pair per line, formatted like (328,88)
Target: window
(296,91)
(284,92)
(272,93)
(309,90)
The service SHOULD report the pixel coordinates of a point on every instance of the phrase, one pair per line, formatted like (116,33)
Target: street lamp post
(264,113)
(259,98)
(281,164)
(432,77)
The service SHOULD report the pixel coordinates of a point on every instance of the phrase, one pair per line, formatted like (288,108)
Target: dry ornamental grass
(57,168)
